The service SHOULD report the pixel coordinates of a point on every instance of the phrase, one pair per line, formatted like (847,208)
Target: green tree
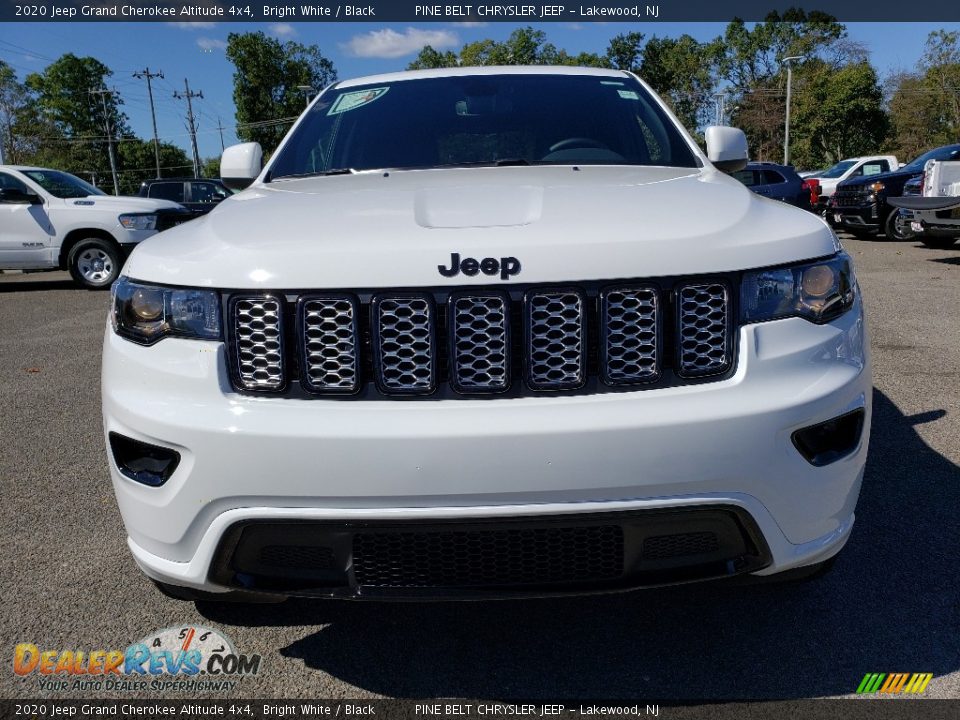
(838,113)
(428,59)
(22,131)
(684,72)
(266,83)
(210,167)
(65,99)
(136,162)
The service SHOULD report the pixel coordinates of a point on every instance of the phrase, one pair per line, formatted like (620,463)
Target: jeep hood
(379,229)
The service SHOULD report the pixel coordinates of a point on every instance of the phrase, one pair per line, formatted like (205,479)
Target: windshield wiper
(503,162)
(318,173)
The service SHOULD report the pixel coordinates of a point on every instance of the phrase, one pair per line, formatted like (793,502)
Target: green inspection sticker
(358,98)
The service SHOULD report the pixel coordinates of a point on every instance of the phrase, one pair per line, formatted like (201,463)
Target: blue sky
(195,51)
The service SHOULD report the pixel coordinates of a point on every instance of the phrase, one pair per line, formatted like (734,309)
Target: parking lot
(892,603)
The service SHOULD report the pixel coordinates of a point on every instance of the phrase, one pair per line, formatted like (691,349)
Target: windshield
(483,120)
(61,184)
(837,170)
(952,152)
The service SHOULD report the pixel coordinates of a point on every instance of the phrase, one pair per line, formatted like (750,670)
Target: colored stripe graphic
(871,682)
(893,683)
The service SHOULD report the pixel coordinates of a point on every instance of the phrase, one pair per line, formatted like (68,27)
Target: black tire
(895,229)
(186,594)
(94,263)
(938,243)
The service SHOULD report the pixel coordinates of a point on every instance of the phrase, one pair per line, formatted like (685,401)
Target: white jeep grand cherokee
(486,332)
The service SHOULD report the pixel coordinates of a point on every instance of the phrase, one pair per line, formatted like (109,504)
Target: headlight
(138,222)
(818,291)
(146,313)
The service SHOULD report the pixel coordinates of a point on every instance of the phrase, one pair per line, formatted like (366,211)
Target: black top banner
(382,11)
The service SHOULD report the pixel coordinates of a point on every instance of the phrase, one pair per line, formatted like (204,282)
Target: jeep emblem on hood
(506,266)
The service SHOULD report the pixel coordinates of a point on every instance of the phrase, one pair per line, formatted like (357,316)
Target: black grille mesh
(704,337)
(482,342)
(664,547)
(495,557)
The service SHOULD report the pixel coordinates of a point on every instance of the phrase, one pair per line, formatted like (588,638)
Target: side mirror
(726,148)
(12,196)
(240,165)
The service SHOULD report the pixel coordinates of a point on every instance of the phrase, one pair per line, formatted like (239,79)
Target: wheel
(896,228)
(176,592)
(94,263)
(938,243)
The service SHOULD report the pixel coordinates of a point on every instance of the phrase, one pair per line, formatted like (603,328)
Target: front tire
(895,228)
(938,243)
(94,263)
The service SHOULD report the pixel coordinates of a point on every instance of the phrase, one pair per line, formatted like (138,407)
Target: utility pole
(103,92)
(146,74)
(221,128)
(188,95)
(308,91)
(721,101)
(786,129)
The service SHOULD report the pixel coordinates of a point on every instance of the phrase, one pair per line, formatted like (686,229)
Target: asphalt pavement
(892,602)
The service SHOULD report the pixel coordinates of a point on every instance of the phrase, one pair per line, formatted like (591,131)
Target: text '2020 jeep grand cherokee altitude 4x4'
(482,332)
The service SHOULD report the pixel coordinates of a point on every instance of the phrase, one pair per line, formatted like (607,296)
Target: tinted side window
(746,177)
(167,191)
(9,182)
(772,177)
(201,192)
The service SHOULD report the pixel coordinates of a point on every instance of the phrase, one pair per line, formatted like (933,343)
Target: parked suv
(199,195)
(482,332)
(51,220)
(779,182)
(860,206)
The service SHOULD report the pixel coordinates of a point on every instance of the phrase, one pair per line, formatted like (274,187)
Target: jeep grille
(475,342)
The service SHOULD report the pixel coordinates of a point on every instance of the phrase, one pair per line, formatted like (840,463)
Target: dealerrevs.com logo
(188,658)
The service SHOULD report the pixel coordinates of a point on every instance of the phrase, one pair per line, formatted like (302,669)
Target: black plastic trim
(604,331)
(527,337)
(452,346)
(375,333)
(302,346)
(234,355)
(830,456)
(742,550)
(121,446)
(732,309)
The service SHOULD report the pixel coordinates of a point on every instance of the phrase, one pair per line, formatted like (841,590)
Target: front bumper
(718,445)
(863,216)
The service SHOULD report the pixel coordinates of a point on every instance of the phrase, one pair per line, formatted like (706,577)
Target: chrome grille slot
(629,349)
(258,340)
(405,343)
(703,344)
(555,339)
(329,349)
(480,342)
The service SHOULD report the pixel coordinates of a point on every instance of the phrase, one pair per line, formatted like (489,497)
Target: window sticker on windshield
(628,94)
(353,100)
(611,82)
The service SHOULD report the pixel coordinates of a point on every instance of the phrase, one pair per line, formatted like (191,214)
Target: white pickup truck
(935,214)
(51,220)
(864,166)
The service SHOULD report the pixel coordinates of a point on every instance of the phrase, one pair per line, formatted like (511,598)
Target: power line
(148,76)
(188,96)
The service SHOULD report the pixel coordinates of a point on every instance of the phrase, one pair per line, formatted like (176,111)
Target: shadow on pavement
(9,285)
(890,604)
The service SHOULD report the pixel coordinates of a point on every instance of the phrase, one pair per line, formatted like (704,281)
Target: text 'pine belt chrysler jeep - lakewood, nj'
(486,332)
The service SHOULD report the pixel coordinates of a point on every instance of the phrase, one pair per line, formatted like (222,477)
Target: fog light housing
(147,464)
(829,441)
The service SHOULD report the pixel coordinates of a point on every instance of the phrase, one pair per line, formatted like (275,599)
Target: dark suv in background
(779,182)
(199,195)
(860,205)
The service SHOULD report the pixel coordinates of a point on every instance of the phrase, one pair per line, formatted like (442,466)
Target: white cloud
(391,44)
(469,24)
(211,44)
(283,30)
(193,25)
